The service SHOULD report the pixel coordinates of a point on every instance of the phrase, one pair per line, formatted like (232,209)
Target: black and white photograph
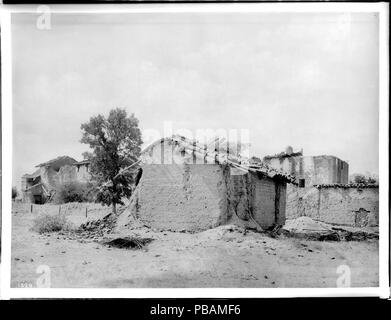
(213,148)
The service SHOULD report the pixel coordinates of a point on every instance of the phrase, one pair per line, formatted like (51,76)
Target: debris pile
(355,235)
(129,242)
(305,224)
(104,225)
(346,185)
(305,227)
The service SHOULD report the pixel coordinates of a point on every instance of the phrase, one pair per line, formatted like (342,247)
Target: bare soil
(221,257)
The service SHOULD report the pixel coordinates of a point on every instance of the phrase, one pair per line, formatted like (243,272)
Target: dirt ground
(220,257)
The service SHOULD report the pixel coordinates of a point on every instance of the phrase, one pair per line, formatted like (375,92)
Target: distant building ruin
(310,170)
(185,186)
(323,191)
(40,186)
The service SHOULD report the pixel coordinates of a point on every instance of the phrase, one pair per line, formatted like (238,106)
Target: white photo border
(383,291)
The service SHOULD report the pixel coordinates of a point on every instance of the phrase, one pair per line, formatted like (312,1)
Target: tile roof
(56,160)
(34,175)
(81,162)
(223,157)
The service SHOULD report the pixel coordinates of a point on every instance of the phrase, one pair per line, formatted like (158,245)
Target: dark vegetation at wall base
(51,223)
(362,179)
(14,193)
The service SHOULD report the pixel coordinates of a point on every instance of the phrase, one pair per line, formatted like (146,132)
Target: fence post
(86,212)
(31,209)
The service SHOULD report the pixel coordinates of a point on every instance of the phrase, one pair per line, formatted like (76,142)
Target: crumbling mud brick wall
(329,169)
(73,173)
(67,174)
(181,196)
(280,201)
(256,196)
(193,197)
(268,202)
(185,190)
(49,177)
(30,195)
(82,173)
(350,206)
(239,194)
(53,179)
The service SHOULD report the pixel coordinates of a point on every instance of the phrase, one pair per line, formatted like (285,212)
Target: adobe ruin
(187,187)
(40,186)
(323,191)
(310,170)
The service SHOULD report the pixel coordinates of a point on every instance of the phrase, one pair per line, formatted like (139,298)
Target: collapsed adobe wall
(345,206)
(49,177)
(185,191)
(53,179)
(191,197)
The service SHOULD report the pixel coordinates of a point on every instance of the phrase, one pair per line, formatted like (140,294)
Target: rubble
(105,225)
(305,227)
(346,185)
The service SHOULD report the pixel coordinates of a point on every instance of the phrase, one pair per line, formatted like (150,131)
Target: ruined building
(323,191)
(186,186)
(343,204)
(40,186)
(310,170)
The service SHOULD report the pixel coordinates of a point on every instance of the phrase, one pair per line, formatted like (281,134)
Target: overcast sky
(300,79)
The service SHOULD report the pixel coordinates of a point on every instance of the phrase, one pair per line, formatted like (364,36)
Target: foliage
(115,142)
(14,193)
(75,192)
(51,223)
(362,179)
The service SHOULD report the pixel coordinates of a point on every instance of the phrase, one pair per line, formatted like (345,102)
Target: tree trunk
(114,208)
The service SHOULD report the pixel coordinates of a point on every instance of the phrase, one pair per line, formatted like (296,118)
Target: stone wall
(345,206)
